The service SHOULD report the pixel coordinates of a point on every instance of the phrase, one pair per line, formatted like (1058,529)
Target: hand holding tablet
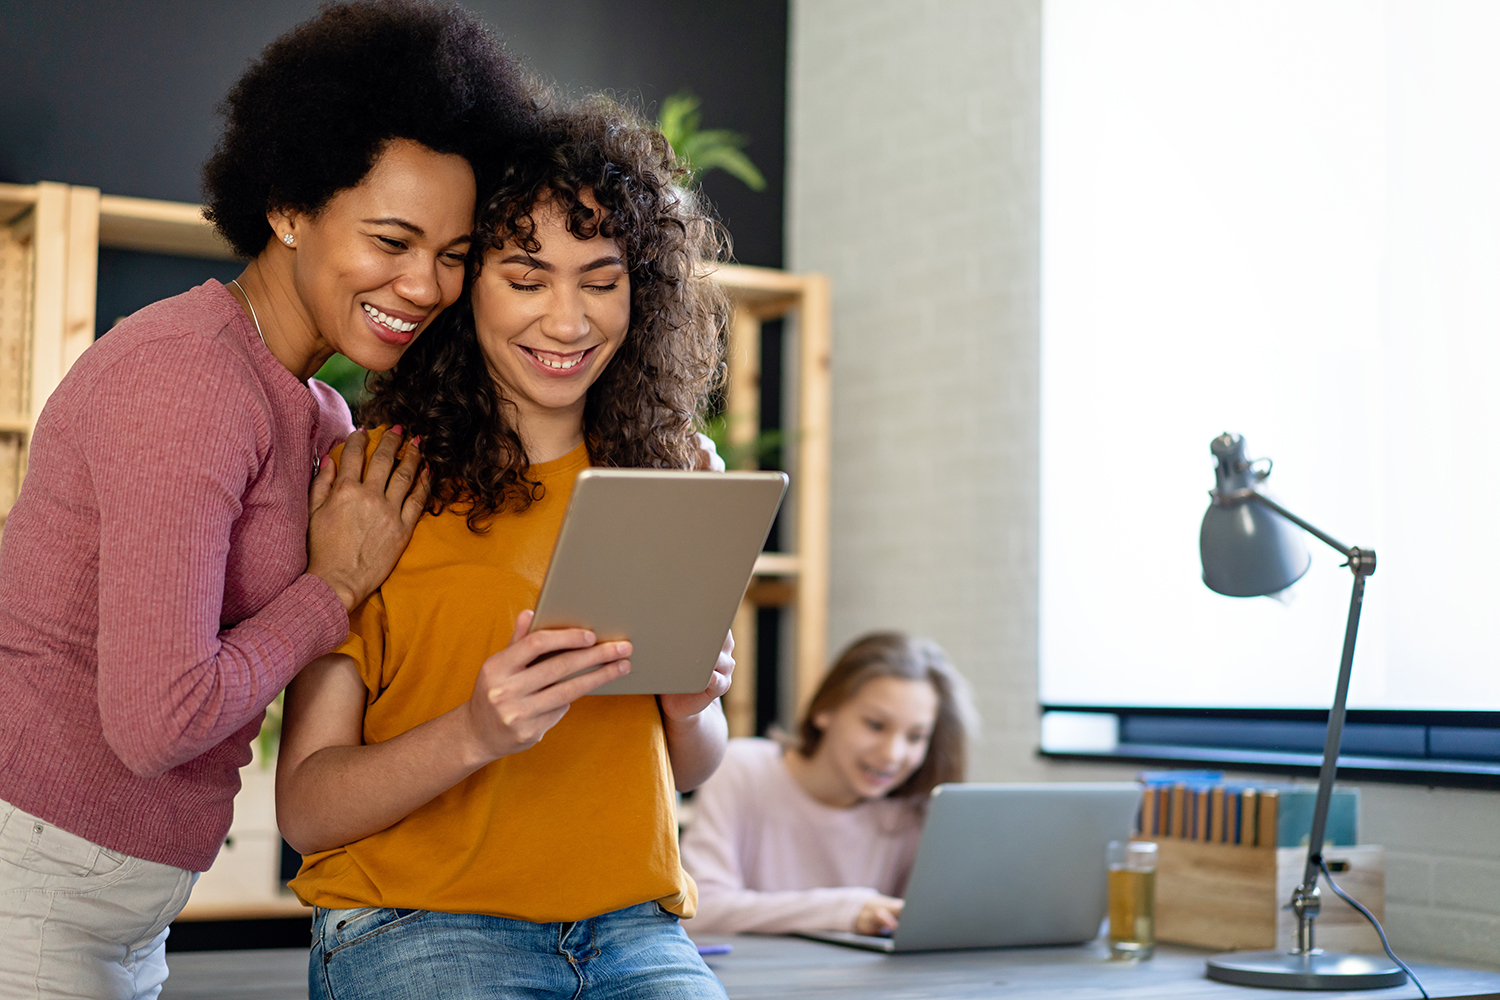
(685,706)
(525,689)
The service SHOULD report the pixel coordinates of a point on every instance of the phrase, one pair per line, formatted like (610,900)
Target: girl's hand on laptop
(879,916)
(526,688)
(679,707)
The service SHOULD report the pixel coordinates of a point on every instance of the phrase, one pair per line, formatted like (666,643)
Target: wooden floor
(771,968)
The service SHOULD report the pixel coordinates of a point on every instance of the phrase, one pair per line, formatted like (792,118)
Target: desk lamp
(1250,549)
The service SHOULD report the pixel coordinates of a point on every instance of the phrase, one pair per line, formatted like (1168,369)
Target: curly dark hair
(645,408)
(312,114)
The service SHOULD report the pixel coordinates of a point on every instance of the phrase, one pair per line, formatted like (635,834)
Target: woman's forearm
(696,745)
(158,710)
(338,794)
(744,911)
(333,789)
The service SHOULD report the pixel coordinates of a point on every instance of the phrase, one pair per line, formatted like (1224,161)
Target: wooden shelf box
(1231,897)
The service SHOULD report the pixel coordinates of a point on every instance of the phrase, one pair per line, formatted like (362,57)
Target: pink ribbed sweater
(153,593)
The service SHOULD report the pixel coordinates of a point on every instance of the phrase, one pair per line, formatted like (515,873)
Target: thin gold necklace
(317,463)
(253,318)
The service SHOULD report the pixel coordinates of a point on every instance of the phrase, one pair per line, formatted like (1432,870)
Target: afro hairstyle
(310,117)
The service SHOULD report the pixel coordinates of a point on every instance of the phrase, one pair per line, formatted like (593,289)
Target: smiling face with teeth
(872,742)
(376,264)
(549,322)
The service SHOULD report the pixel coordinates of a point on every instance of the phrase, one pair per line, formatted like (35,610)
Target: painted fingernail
(396,429)
(416,442)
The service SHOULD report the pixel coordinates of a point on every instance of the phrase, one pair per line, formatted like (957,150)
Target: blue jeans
(383,954)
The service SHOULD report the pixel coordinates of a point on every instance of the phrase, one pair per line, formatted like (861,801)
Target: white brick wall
(914,183)
(1442,868)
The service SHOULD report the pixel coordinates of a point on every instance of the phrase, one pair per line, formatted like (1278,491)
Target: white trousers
(78,920)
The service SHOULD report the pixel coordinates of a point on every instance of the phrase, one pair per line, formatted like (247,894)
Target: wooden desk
(792,969)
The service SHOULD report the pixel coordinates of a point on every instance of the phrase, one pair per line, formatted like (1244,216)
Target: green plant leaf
(270,733)
(701,150)
(346,378)
(677,120)
(726,156)
(762,451)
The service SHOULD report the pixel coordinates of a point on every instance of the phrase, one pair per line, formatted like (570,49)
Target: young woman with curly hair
(164,572)
(471,825)
(821,834)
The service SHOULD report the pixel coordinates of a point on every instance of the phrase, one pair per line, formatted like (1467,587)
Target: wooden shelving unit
(797,579)
(50,235)
(48,268)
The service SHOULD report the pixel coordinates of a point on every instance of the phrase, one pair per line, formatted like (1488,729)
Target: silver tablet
(661,558)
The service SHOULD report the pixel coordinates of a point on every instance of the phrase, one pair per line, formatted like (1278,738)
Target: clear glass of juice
(1132,899)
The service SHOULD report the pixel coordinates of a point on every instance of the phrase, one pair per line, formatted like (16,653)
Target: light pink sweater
(153,594)
(768,857)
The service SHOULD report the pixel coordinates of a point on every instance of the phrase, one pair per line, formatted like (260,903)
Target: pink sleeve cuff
(310,617)
(843,910)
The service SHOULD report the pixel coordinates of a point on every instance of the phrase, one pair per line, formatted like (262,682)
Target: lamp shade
(1248,550)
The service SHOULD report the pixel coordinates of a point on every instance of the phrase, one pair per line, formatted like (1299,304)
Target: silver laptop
(1008,865)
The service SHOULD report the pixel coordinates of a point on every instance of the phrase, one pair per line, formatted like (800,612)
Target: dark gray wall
(121,95)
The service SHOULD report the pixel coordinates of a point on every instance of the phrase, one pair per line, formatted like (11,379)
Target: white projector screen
(1278,218)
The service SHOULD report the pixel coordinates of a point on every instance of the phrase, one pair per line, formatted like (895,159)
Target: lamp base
(1283,970)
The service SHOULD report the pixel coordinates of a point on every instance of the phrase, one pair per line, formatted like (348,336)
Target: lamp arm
(1362,564)
(1333,739)
(1240,496)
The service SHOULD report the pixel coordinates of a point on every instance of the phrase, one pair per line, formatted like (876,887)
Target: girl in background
(470,825)
(822,835)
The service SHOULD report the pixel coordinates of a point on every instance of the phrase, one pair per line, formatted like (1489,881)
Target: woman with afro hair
(470,825)
(165,571)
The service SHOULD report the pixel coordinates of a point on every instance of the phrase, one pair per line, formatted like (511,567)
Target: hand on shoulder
(361,513)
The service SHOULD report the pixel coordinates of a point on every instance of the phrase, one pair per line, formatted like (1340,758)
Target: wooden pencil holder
(1232,897)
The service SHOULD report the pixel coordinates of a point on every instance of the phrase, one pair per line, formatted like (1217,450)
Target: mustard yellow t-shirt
(580,824)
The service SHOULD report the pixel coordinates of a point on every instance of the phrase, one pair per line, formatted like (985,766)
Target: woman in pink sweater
(821,835)
(162,575)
